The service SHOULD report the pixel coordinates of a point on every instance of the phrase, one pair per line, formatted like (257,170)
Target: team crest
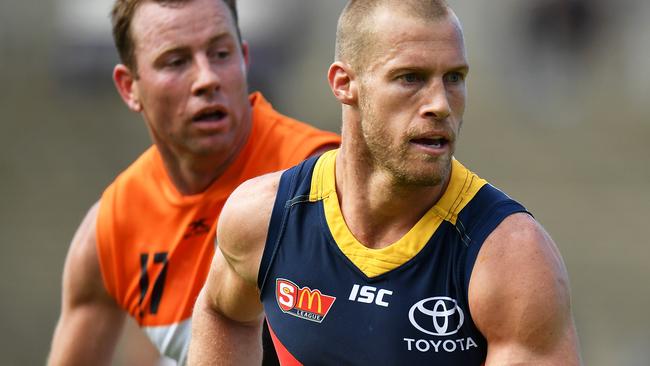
(302,302)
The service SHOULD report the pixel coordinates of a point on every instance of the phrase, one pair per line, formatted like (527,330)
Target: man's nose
(437,102)
(207,79)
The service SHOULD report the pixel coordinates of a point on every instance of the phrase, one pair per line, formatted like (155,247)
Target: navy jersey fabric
(323,310)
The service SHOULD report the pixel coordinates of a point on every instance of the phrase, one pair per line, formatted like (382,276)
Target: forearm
(217,340)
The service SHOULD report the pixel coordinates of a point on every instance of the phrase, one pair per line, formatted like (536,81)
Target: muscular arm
(519,297)
(228,315)
(90,321)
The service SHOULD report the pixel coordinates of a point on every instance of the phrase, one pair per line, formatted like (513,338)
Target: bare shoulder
(519,296)
(244,222)
(522,240)
(521,249)
(82,276)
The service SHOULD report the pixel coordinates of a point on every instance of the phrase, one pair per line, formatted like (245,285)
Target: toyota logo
(439,316)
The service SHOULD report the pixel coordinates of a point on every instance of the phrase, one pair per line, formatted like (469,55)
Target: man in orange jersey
(145,248)
(387,251)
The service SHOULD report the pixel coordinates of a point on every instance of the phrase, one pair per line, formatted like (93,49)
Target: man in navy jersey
(388,251)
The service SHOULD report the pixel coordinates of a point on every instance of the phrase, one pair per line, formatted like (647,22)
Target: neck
(193,173)
(377,208)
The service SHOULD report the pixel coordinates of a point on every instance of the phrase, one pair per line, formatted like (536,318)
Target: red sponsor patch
(302,302)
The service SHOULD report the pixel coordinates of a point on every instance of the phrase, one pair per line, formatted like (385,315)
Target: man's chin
(421,180)
(208,148)
(425,174)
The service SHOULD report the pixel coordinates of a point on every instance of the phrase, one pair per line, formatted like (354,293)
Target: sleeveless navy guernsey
(329,300)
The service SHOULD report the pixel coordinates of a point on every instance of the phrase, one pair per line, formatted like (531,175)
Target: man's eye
(219,54)
(411,78)
(175,62)
(454,77)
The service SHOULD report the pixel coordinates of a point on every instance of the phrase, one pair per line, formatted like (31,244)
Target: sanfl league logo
(302,302)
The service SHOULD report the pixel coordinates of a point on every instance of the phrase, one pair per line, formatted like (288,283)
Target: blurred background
(558,116)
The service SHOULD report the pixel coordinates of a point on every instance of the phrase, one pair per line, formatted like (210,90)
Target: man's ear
(342,81)
(127,85)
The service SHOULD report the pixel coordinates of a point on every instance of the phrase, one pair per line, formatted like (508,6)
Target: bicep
(90,320)
(228,292)
(519,297)
(231,287)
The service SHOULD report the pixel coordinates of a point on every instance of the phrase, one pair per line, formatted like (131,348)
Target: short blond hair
(354,30)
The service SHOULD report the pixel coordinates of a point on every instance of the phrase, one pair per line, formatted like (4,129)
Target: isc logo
(369,294)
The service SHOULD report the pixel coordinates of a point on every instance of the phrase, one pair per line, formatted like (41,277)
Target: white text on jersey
(369,295)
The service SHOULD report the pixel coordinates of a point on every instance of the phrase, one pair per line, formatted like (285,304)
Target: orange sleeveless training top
(155,245)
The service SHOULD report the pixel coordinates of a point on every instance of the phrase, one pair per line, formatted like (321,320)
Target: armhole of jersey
(290,181)
(276,225)
(488,221)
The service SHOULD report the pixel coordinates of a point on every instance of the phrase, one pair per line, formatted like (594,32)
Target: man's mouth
(436,142)
(209,116)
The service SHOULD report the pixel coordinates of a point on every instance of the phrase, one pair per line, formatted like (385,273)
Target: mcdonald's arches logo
(302,302)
